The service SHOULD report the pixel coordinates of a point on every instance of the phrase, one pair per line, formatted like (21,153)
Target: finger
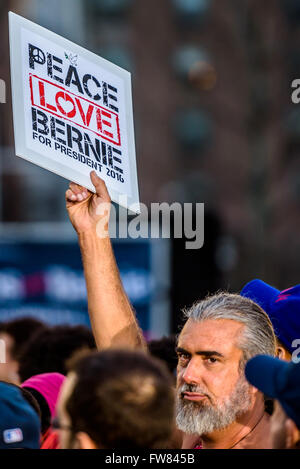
(70,196)
(100,186)
(76,188)
(80,192)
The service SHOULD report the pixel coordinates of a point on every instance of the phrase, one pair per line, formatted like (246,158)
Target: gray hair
(258,335)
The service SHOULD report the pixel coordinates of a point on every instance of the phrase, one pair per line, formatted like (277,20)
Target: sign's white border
(16,23)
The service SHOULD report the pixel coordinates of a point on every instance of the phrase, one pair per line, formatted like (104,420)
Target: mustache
(193,388)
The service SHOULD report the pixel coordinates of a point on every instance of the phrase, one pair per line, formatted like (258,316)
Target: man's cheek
(179,376)
(219,380)
(221,383)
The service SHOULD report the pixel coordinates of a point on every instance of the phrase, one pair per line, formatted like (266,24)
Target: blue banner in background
(46,280)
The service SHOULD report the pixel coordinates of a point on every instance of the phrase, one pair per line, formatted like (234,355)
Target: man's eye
(182,357)
(212,360)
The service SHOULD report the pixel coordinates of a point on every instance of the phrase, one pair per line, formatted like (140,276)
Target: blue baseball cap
(282,307)
(279,380)
(19,423)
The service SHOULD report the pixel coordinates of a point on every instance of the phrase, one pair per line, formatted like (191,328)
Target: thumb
(100,187)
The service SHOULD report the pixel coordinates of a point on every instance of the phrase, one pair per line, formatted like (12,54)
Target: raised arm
(111,314)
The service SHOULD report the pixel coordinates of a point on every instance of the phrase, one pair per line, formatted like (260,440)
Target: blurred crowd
(230,380)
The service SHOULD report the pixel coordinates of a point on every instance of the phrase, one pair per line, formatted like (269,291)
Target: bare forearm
(112,317)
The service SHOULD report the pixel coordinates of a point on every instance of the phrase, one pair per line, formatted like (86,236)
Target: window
(194,65)
(113,8)
(191,11)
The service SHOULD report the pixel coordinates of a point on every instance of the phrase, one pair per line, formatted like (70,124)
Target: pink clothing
(48,385)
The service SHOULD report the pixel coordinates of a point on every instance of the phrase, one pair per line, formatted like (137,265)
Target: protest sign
(72,111)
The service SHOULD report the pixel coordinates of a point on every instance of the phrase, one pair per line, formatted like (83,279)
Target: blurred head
(9,367)
(165,350)
(221,333)
(15,335)
(116,399)
(19,423)
(50,349)
(45,388)
(281,381)
(28,398)
(284,432)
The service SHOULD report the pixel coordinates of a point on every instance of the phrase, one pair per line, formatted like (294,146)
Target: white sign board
(72,111)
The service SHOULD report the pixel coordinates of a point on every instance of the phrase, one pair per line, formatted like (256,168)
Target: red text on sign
(80,111)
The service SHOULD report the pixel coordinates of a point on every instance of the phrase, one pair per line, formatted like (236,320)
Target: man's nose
(192,373)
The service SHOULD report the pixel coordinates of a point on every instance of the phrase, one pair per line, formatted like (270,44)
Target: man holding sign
(73,113)
(216,406)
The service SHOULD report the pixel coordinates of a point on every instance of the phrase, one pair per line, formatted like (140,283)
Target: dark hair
(29,397)
(21,330)
(165,350)
(122,399)
(50,349)
(45,414)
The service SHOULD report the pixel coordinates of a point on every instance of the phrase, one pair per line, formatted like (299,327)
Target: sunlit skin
(283,353)
(112,317)
(9,369)
(67,438)
(63,417)
(209,356)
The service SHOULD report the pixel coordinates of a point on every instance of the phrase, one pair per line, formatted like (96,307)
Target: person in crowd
(281,381)
(16,334)
(51,348)
(216,407)
(19,422)
(45,388)
(283,309)
(129,403)
(164,349)
(29,398)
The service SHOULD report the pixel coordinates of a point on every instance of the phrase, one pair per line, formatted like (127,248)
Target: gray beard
(198,418)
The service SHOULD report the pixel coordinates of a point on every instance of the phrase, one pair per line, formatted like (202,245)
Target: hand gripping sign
(72,111)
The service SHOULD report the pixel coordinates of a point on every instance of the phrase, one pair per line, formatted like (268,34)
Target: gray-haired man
(216,406)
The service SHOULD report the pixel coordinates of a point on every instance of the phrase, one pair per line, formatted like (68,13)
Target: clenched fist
(87,211)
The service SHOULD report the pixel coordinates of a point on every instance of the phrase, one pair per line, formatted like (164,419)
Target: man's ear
(292,434)
(282,353)
(85,441)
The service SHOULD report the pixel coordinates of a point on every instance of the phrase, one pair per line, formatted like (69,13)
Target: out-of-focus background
(214,123)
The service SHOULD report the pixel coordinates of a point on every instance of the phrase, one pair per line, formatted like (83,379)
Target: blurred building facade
(214,123)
